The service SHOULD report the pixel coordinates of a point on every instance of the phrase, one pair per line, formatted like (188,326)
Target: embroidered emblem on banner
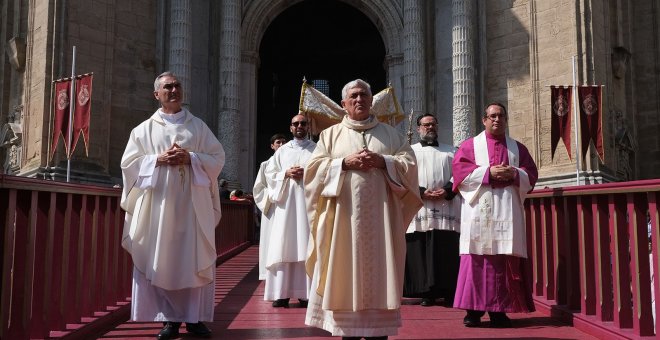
(83,95)
(589,104)
(560,106)
(62,99)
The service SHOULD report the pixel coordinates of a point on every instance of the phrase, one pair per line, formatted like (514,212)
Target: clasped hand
(175,155)
(502,172)
(295,172)
(364,160)
(434,194)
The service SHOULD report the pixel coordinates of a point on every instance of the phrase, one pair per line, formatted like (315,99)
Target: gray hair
(355,83)
(164,74)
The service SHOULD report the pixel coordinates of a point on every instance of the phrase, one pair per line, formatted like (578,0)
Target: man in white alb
(260,194)
(170,170)
(285,262)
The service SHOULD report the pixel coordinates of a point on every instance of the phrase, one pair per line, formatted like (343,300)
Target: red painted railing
(590,254)
(64,273)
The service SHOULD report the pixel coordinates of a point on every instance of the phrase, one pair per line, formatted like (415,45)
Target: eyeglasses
(171,86)
(301,123)
(428,125)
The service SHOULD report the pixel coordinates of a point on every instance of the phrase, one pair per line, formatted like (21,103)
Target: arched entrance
(318,40)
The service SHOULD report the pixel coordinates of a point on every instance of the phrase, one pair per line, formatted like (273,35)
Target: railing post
(639,264)
(548,250)
(654,220)
(585,236)
(602,258)
(537,248)
(620,261)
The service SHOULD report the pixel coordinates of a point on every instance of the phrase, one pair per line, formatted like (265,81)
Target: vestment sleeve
(275,177)
(260,189)
(131,164)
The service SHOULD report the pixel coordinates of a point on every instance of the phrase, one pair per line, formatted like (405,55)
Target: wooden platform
(241,313)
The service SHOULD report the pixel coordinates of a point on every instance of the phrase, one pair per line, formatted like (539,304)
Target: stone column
(228,83)
(463,70)
(249,74)
(413,56)
(180,43)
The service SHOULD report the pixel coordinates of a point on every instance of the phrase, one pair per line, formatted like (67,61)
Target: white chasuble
(492,219)
(172,211)
(434,172)
(358,224)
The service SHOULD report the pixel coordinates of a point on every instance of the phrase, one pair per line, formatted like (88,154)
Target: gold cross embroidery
(182,174)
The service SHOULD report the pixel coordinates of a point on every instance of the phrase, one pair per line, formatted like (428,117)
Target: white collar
(176,118)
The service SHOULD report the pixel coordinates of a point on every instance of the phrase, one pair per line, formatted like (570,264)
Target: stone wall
(114,39)
(645,67)
(130,68)
(530,45)
(521,46)
(36,85)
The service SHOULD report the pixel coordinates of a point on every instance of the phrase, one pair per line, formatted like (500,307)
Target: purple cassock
(493,283)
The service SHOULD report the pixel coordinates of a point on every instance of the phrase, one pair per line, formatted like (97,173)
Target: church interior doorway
(329,42)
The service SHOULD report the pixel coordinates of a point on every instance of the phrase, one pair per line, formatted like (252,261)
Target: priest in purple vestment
(493,173)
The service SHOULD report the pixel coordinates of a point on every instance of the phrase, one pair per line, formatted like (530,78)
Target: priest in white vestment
(362,192)
(432,237)
(170,172)
(493,173)
(289,235)
(260,194)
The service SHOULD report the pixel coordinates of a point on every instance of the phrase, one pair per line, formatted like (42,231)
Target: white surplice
(289,234)
(493,220)
(171,215)
(434,172)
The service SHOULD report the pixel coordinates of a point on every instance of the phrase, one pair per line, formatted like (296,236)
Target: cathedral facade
(242,63)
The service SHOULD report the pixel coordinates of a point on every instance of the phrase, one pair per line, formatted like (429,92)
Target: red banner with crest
(561,104)
(81,117)
(590,102)
(61,119)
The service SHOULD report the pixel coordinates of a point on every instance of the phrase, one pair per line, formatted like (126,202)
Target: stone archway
(385,20)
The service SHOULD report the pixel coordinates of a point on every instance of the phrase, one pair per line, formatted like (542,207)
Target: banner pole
(72,104)
(577,123)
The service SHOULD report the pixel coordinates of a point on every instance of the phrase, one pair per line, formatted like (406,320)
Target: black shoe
(303,303)
(469,321)
(170,331)
(199,329)
(499,320)
(281,303)
(426,302)
(473,318)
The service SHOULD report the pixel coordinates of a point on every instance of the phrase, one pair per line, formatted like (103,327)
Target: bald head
(299,126)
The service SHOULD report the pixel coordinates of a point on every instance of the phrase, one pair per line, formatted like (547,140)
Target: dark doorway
(315,39)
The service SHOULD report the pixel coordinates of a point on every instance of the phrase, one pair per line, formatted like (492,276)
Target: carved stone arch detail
(387,16)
